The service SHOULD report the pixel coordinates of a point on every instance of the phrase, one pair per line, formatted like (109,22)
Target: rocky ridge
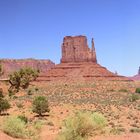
(11,65)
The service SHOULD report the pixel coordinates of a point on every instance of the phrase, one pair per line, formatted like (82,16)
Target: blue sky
(35,29)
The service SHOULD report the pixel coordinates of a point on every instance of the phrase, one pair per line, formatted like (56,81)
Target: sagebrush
(82,125)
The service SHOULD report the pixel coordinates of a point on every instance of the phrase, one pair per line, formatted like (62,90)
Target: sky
(35,29)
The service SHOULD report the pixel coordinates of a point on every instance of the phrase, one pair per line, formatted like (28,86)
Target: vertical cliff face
(75,49)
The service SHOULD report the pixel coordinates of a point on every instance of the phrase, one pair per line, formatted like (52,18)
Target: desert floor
(113,99)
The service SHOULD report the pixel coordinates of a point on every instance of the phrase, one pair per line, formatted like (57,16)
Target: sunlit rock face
(11,65)
(75,49)
(78,63)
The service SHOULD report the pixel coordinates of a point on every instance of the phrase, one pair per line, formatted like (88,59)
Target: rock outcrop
(136,77)
(11,65)
(78,63)
(75,49)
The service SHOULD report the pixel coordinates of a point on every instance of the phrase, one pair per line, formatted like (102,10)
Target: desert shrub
(29,92)
(14,127)
(111,90)
(133,97)
(36,89)
(11,92)
(82,125)
(1,70)
(117,130)
(50,123)
(22,79)
(40,105)
(23,118)
(32,90)
(123,90)
(137,90)
(38,124)
(4,105)
(19,105)
(135,130)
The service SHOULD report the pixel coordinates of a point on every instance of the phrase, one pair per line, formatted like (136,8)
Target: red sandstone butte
(75,49)
(78,63)
(11,65)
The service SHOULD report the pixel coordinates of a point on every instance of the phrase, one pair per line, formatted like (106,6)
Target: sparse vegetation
(23,118)
(135,130)
(117,130)
(82,125)
(40,105)
(137,90)
(123,90)
(134,97)
(22,79)
(14,127)
(120,108)
(1,93)
(38,124)
(19,105)
(1,70)
(4,105)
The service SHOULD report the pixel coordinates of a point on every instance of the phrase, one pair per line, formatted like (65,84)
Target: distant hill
(11,65)
(136,77)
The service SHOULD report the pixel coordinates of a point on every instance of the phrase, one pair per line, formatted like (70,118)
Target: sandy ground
(65,100)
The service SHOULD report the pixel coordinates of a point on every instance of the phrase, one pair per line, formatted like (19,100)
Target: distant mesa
(78,63)
(11,65)
(136,77)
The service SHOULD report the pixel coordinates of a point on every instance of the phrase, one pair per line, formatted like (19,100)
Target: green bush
(14,127)
(22,79)
(137,90)
(4,105)
(82,125)
(40,105)
(23,118)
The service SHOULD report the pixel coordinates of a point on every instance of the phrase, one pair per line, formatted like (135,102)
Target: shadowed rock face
(11,65)
(75,49)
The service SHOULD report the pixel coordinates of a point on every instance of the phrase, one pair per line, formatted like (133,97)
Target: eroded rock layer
(81,71)
(78,63)
(11,65)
